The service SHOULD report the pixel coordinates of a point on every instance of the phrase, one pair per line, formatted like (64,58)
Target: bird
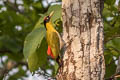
(54,40)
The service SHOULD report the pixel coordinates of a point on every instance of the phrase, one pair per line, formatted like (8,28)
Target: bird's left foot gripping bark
(59,61)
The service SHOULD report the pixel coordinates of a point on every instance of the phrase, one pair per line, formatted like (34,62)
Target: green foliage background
(22,33)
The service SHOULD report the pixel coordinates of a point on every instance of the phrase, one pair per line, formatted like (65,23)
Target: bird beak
(51,14)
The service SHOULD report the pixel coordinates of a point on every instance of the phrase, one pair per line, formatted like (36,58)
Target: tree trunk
(83,58)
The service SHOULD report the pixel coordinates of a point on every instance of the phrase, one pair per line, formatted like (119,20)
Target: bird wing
(62,43)
(54,44)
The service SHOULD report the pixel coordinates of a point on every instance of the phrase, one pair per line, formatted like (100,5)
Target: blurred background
(19,17)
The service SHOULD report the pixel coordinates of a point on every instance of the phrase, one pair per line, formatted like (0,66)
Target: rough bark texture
(83,34)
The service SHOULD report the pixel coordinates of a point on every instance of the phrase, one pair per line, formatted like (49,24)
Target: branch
(8,51)
(114,36)
(4,51)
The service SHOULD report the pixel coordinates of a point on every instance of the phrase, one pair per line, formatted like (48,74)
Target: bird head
(47,18)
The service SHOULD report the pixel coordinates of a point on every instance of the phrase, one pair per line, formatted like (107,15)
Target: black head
(46,20)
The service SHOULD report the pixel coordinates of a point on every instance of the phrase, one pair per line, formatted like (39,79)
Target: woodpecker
(54,40)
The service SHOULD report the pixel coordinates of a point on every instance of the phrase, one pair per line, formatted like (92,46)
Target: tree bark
(83,58)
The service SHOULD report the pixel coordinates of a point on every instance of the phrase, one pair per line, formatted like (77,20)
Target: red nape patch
(49,52)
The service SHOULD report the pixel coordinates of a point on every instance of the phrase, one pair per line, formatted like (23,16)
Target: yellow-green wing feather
(54,43)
